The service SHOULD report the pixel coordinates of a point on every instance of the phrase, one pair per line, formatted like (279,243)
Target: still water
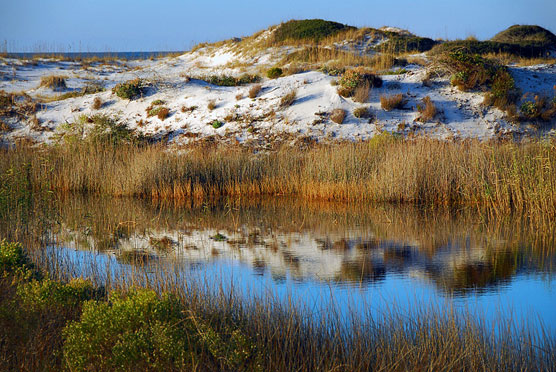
(326,256)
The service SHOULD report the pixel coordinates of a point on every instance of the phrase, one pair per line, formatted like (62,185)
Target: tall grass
(502,177)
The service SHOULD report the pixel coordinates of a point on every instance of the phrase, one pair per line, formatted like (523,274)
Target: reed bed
(501,177)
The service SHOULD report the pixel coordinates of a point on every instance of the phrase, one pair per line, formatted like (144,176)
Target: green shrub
(139,331)
(217,124)
(526,34)
(13,261)
(131,89)
(47,293)
(274,73)
(308,29)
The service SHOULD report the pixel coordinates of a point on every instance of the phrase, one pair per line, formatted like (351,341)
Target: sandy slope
(258,121)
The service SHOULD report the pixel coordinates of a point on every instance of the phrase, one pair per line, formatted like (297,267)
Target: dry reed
(504,177)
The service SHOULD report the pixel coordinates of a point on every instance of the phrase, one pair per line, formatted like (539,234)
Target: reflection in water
(458,253)
(347,257)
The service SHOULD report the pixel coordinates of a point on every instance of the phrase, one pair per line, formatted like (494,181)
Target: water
(327,256)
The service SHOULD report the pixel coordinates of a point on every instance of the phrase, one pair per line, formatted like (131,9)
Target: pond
(329,257)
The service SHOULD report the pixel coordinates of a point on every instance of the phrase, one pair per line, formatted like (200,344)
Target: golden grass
(361,93)
(97,103)
(391,102)
(428,111)
(503,177)
(254,91)
(338,115)
(53,82)
(288,99)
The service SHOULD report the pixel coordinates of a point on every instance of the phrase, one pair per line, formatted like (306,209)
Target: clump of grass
(355,78)
(361,93)
(361,112)
(211,105)
(338,115)
(392,102)
(97,103)
(288,99)
(217,124)
(427,111)
(239,97)
(130,89)
(186,109)
(163,113)
(274,73)
(254,91)
(53,82)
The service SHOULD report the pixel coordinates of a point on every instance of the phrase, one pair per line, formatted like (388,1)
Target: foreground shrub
(427,111)
(139,331)
(131,89)
(355,78)
(338,115)
(13,260)
(274,73)
(53,82)
(392,102)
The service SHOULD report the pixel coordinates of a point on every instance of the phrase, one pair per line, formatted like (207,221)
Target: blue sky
(143,25)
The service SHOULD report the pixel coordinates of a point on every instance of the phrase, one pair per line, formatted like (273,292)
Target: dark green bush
(131,89)
(217,124)
(274,72)
(526,34)
(231,81)
(308,29)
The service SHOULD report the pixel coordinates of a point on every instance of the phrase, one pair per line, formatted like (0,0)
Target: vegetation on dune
(53,82)
(472,71)
(358,81)
(131,89)
(526,34)
(309,29)
(231,81)
(400,43)
(519,41)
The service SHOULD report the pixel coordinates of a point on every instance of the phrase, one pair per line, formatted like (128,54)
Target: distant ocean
(122,55)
